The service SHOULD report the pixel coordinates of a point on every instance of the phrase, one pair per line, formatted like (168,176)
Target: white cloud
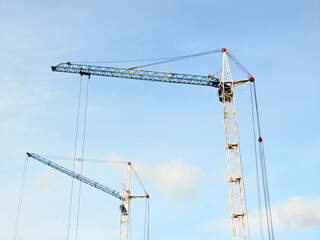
(13,94)
(19,103)
(45,179)
(300,214)
(220,224)
(175,179)
(296,214)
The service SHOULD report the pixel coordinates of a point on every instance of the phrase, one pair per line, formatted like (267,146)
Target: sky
(173,134)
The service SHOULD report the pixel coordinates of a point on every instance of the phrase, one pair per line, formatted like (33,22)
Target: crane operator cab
(123,209)
(225,92)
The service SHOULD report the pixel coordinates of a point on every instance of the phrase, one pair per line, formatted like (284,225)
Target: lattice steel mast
(236,194)
(226,96)
(125,207)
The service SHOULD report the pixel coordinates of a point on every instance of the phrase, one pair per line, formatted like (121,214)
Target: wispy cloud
(175,179)
(219,224)
(296,214)
(45,179)
(13,94)
(300,213)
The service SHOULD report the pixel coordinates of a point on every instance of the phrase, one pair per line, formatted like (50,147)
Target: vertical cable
(256,162)
(148,232)
(82,156)
(145,220)
(74,156)
(244,192)
(24,173)
(245,198)
(264,172)
(130,222)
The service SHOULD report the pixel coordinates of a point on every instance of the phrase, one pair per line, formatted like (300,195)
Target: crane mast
(125,207)
(226,95)
(236,195)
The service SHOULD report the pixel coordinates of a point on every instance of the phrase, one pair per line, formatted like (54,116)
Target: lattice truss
(237,205)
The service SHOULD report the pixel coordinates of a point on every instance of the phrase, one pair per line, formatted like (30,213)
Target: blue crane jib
(75,175)
(130,73)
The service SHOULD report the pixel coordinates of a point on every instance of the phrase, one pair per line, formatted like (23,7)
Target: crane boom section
(75,175)
(137,74)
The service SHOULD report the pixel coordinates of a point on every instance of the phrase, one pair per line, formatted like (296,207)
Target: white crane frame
(125,205)
(236,193)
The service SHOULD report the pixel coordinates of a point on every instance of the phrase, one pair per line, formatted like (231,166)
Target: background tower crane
(124,197)
(226,84)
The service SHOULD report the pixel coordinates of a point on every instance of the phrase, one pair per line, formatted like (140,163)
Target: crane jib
(75,175)
(89,70)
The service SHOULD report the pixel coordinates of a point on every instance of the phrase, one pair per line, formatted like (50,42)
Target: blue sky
(170,132)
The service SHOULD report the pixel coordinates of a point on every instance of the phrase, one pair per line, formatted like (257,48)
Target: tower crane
(225,84)
(124,197)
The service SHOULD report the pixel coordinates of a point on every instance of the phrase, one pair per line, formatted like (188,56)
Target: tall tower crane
(124,197)
(226,85)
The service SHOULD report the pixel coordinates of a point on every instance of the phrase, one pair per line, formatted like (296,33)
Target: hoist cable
(245,196)
(179,58)
(80,159)
(148,222)
(257,165)
(23,181)
(137,176)
(130,223)
(154,59)
(244,189)
(266,191)
(238,64)
(82,155)
(74,156)
(264,172)
(126,61)
(145,220)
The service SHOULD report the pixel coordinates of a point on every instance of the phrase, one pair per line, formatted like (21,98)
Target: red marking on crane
(28,154)
(260,139)
(69,63)
(251,78)
(224,49)
(129,163)
(128,191)
(147,195)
